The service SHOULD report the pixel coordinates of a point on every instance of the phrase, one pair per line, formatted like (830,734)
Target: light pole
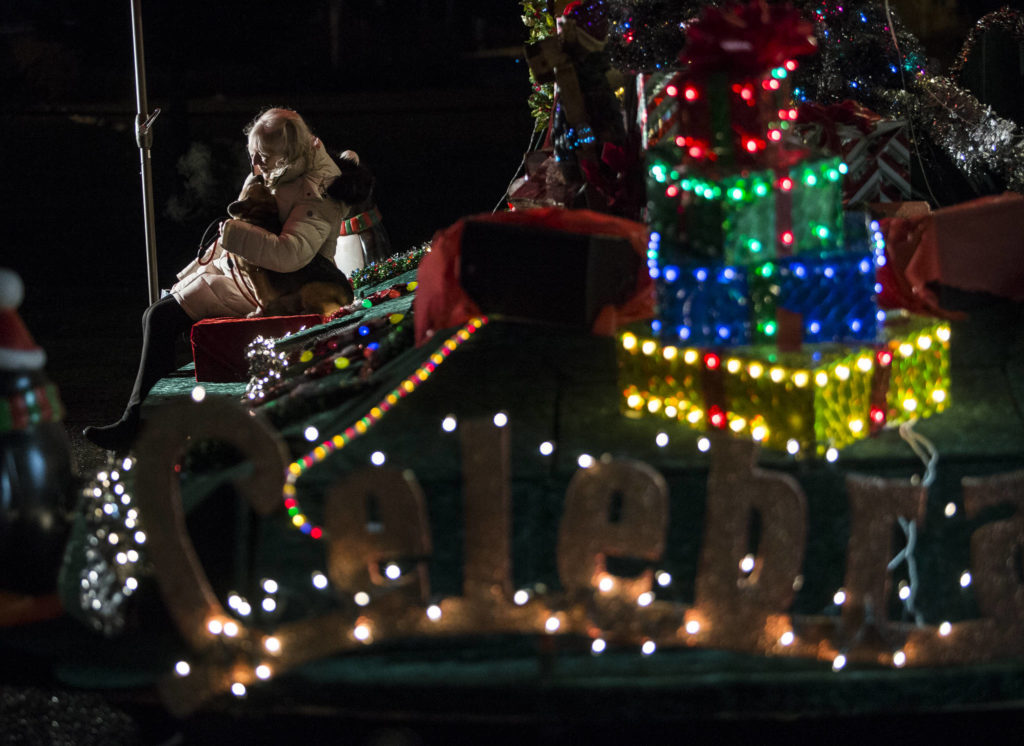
(144,137)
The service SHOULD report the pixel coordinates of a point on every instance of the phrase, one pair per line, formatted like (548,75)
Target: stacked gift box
(767,322)
(821,397)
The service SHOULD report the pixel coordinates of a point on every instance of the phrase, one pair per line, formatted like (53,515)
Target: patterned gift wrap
(748,217)
(875,150)
(810,402)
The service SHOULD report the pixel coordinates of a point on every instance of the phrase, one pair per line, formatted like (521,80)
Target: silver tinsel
(983,145)
(266,366)
(114,540)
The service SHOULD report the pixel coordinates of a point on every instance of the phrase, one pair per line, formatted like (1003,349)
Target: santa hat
(18,351)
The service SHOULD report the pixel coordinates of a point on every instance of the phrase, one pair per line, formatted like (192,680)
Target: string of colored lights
(411,383)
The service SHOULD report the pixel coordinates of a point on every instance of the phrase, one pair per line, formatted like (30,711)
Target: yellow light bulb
(821,378)
(842,372)
(800,378)
(755,370)
(924,342)
(777,375)
(733,365)
(691,356)
(864,363)
(648,347)
(670,353)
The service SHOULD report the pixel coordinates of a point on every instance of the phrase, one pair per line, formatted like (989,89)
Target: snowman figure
(37,486)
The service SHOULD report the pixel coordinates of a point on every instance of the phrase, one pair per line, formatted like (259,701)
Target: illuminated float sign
(738,608)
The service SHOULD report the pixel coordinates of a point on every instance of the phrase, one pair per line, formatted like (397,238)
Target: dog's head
(257,206)
(354,187)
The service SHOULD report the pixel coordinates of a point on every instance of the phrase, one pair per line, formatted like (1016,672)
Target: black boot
(117,436)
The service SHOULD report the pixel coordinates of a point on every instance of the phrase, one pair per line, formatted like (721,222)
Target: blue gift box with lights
(832,297)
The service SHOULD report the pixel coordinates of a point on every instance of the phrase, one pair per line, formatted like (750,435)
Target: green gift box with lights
(813,401)
(747,217)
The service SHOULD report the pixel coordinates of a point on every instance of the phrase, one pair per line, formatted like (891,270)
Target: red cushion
(219,345)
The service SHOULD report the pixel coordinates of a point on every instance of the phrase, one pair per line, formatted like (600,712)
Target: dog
(363,239)
(319,287)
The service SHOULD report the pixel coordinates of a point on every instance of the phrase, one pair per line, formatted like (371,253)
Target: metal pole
(144,137)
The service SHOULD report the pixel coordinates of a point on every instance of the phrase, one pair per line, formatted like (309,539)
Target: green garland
(385,269)
(540,24)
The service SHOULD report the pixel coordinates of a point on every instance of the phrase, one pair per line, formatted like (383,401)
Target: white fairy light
(433,612)
(269,605)
(272,645)
(693,627)
(393,571)
(585,461)
(270,585)
(361,598)
(198,394)
(238,689)
(546,448)
(663,578)
(661,440)
(839,662)
(786,639)
(182,668)
(500,419)
(552,624)
(839,598)
(645,599)
(319,580)
(598,646)
(703,445)
(449,423)
(311,433)
(521,597)
(377,458)
(648,647)
(262,671)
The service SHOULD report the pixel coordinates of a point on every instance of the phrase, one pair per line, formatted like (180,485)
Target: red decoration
(441,302)
(747,39)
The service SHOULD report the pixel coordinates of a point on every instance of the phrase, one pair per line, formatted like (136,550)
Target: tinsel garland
(385,269)
(860,53)
(981,144)
(1006,19)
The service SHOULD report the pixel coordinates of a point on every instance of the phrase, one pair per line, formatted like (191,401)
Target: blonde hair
(284,132)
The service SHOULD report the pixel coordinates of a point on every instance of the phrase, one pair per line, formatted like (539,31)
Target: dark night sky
(78,51)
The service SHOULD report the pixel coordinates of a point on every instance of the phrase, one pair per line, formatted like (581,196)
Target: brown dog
(319,287)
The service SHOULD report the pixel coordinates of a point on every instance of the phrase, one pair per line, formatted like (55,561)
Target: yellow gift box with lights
(809,402)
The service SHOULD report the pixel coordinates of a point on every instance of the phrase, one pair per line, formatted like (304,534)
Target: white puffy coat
(210,287)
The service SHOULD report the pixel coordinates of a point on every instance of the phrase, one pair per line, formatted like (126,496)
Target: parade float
(717,422)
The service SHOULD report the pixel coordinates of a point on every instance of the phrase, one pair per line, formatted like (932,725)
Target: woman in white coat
(297,169)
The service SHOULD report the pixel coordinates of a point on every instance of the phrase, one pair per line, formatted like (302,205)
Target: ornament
(36,482)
